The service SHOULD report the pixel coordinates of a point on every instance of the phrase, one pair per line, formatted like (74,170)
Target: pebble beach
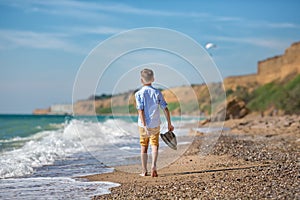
(257,158)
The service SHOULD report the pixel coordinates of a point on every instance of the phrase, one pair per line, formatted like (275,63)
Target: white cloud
(102,30)
(90,7)
(64,39)
(262,24)
(227,19)
(17,38)
(95,10)
(283,25)
(261,42)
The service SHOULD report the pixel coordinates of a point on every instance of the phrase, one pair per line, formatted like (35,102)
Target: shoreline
(258,158)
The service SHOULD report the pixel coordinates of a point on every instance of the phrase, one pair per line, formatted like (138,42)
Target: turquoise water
(25,125)
(15,130)
(12,126)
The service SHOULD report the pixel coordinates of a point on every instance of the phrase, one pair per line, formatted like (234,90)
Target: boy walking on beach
(148,100)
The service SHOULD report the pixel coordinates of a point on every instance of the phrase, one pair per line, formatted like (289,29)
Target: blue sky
(43,43)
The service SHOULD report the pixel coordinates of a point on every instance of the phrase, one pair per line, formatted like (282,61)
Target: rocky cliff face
(39,111)
(280,67)
(277,68)
(247,81)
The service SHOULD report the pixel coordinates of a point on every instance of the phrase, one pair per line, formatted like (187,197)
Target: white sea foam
(45,147)
(42,149)
(51,188)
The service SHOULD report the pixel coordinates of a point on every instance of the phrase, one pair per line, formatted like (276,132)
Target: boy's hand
(170,127)
(146,130)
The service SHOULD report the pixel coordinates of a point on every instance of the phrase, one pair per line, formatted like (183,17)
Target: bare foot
(154,173)
(143,174)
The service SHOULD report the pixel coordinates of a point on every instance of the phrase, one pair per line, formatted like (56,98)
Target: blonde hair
(147,76)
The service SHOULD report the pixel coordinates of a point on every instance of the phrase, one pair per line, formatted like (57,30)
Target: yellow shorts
(154,138)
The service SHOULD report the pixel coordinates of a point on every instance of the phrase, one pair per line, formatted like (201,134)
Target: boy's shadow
(211,170)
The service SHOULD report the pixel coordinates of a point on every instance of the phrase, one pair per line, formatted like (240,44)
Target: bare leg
(144,158)
(154,160)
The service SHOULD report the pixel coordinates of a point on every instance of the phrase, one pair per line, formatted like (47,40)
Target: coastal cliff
(276,69)
(188,96)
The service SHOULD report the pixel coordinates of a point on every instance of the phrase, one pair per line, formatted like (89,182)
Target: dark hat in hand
(170,139)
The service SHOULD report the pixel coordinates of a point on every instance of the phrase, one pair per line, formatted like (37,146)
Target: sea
(44,156)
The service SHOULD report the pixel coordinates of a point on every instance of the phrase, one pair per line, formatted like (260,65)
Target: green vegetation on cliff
(173,106)
(278,96)
(274,95)
(117,109)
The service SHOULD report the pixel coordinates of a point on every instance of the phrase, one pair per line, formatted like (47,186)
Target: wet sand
(257,159)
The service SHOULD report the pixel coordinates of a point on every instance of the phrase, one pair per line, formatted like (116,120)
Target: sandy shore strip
(257,159)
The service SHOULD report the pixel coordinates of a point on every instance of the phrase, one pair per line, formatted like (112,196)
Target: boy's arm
(142,117)
(167,114)
(143,120)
